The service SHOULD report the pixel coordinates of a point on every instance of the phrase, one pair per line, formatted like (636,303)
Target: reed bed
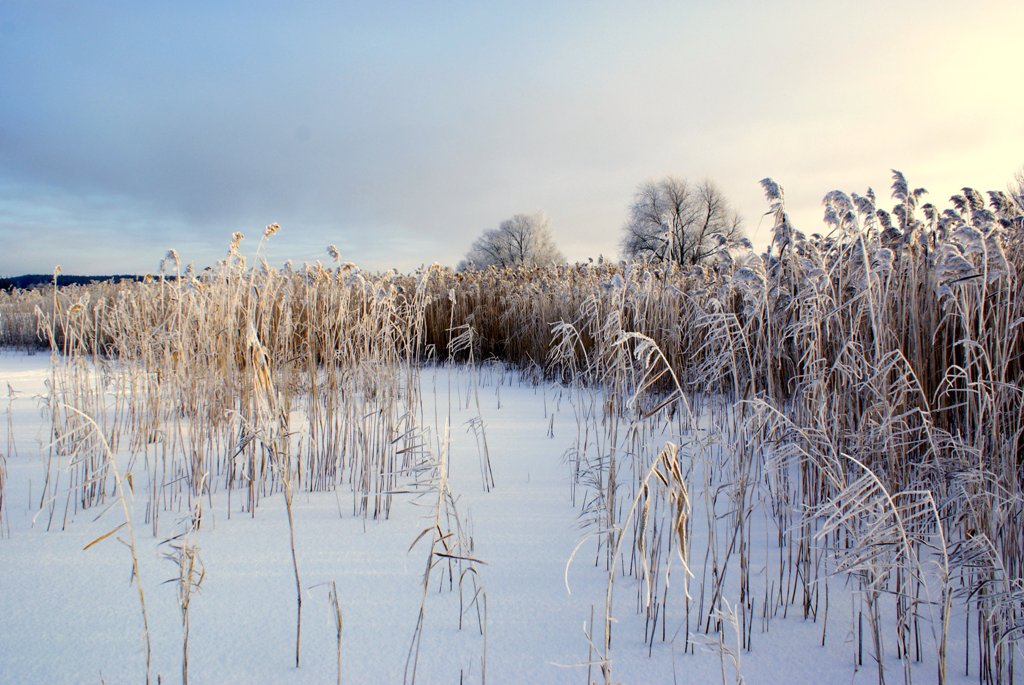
(851,403)
(866,397)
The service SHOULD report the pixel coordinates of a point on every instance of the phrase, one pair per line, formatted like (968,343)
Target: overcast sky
(399,131)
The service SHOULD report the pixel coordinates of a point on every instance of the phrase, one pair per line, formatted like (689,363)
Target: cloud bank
(401,132)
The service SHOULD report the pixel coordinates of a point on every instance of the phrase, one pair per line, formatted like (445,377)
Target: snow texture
(72,616)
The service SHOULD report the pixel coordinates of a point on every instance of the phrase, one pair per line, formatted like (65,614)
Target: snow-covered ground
(71,615)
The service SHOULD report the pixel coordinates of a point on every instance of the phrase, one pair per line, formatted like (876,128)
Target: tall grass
(858,393)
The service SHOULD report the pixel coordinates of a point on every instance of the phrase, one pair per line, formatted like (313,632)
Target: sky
(400,131)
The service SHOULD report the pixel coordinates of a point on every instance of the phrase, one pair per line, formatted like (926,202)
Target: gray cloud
(401,132)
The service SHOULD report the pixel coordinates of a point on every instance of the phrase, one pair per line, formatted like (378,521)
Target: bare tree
(523,240)
(673,220)
(1017,188)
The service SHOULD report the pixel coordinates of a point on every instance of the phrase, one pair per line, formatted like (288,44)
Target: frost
(748,282)
(900,189)
(882,260)
(615,283)
(970,239)
(772,190)
(951,268)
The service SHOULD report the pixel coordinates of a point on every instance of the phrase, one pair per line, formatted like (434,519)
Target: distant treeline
(29,281)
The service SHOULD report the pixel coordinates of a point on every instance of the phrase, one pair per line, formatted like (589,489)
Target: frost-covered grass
(72,615)
(824,440)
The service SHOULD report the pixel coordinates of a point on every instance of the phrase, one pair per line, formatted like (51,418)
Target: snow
(71,615)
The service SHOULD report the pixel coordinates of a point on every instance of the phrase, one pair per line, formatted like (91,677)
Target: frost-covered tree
(674,220)
(523,240)
(1017,188)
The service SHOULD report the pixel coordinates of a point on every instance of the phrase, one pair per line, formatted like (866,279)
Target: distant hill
(27,281)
